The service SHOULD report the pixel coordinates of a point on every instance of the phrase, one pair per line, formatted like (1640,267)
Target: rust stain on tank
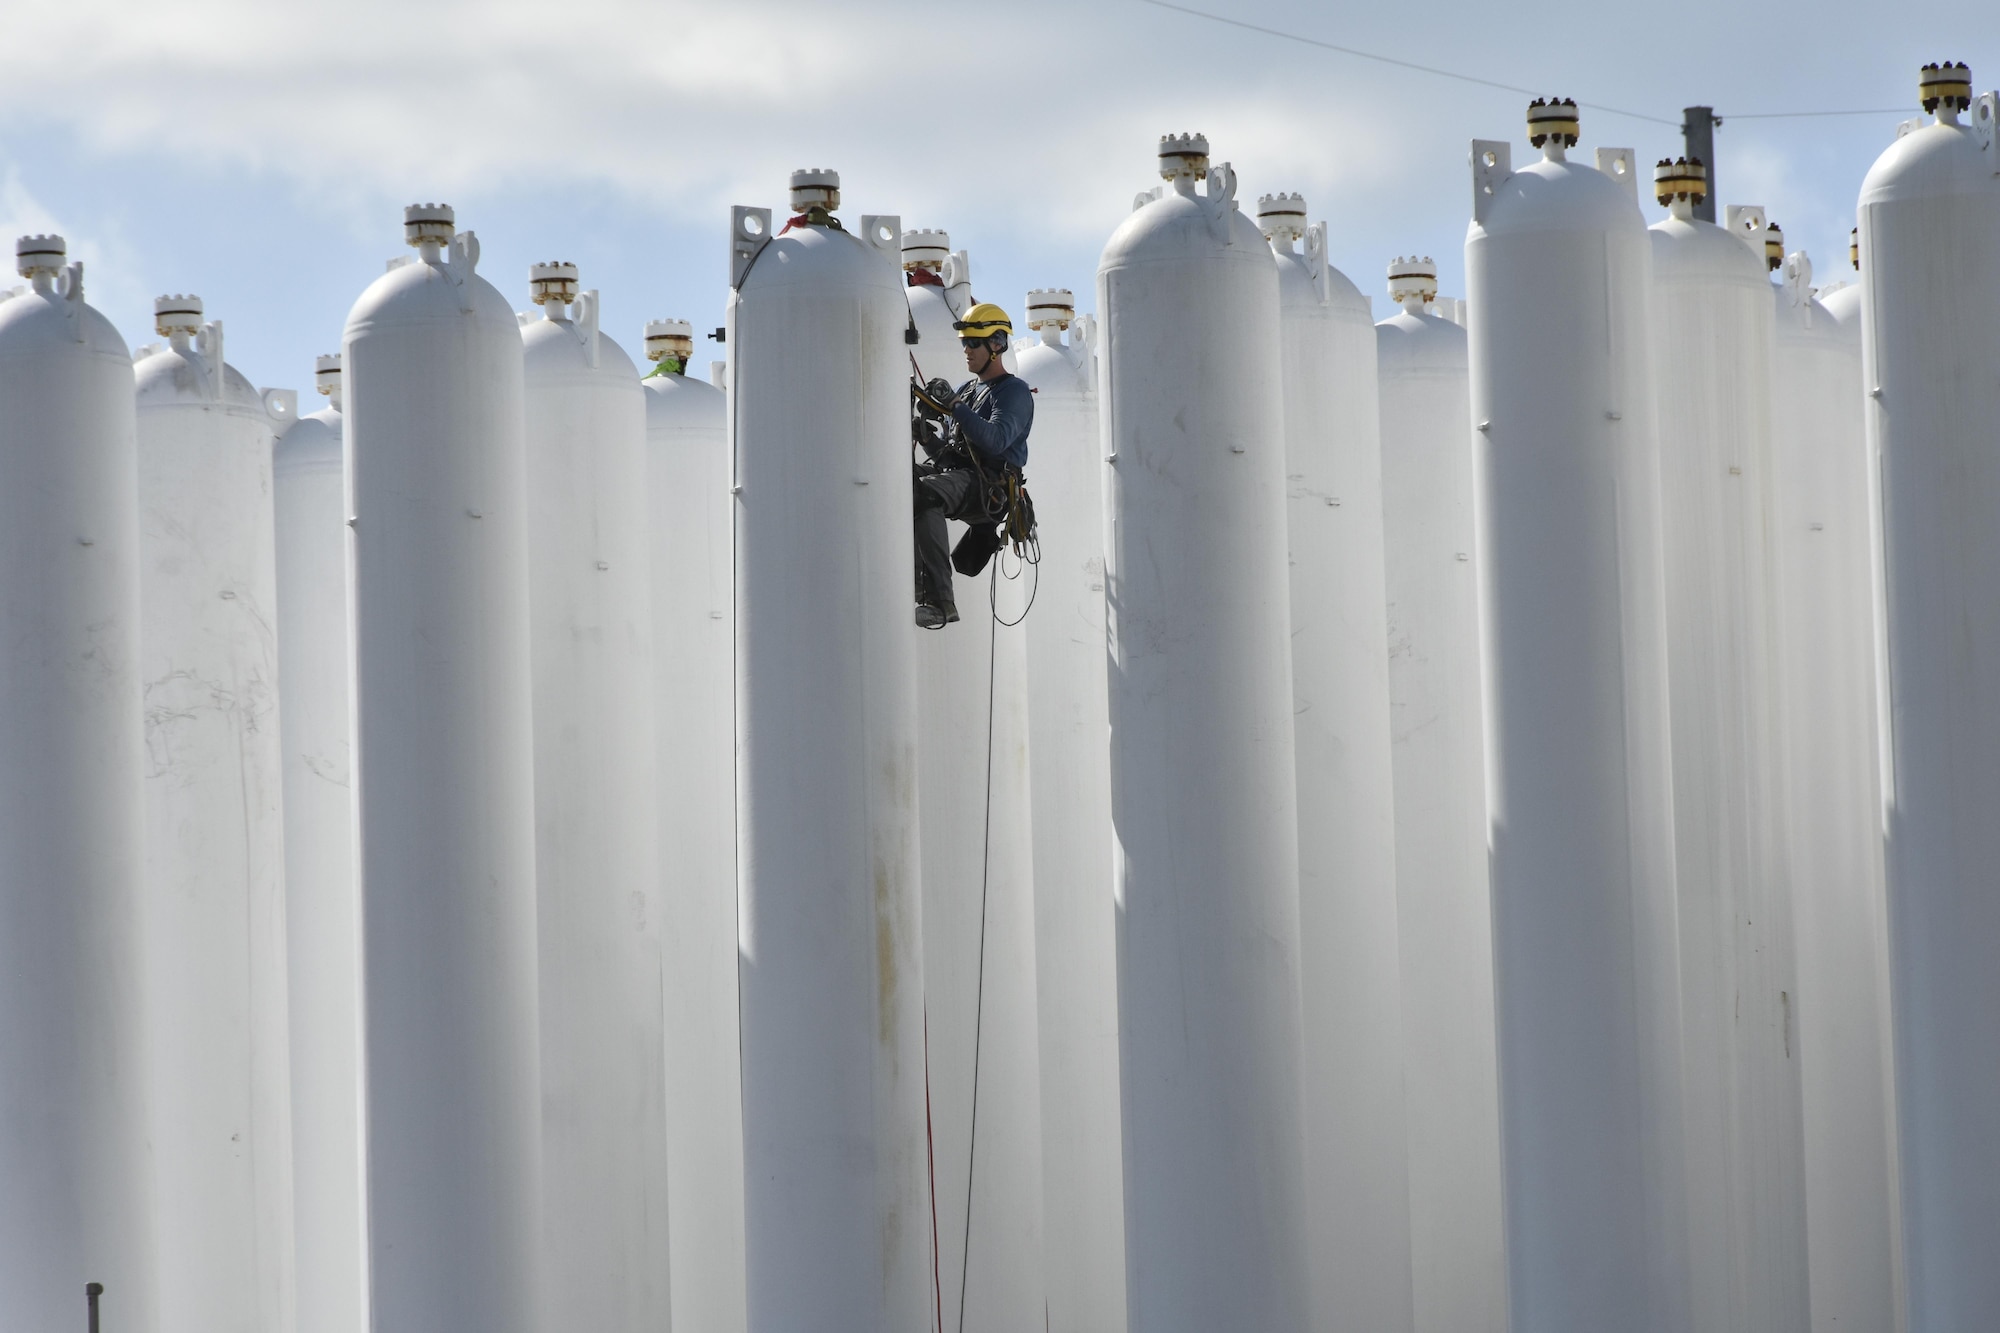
(887,974)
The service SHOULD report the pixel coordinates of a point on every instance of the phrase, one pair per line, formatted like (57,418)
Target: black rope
(979,995)
(1029,558)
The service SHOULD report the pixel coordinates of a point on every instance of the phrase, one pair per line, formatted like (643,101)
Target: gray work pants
(940,496)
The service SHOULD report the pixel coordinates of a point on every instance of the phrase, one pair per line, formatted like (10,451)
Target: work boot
(935,617)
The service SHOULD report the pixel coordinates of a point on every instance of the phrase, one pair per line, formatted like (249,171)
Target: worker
(966,479)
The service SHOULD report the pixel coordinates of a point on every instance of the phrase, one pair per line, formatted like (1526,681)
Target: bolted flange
(1553,118)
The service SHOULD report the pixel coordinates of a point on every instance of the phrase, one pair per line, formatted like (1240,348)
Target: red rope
(930,1151)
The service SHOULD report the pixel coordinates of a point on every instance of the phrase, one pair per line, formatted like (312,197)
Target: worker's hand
(936,395)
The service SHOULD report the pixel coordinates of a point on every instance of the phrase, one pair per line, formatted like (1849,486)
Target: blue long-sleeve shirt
(996,418)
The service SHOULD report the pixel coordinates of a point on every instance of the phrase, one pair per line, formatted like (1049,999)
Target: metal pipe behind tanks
(1698,126)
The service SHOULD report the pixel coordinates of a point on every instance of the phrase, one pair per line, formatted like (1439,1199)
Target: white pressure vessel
(74,1206)
(444,769)
(1580,799)
(1930,320)
(930,262)
(687,480)
(1823,544)
(1444,908)
(597,880)
(322,909)
(977,869)
(1711,308)
(1842,303)
(1357,1149)
(1843,300)
(938,283)
(837,1194)
(1202,772)
(215,848)
(1069,757)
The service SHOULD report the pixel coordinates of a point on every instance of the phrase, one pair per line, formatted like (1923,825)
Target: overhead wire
(1390,60)
(1794,115)
(1435,71)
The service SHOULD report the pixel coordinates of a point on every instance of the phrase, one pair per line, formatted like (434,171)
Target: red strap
(930,1152)
(923,277)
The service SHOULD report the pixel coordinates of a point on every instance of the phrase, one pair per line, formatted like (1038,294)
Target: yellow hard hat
(983,321)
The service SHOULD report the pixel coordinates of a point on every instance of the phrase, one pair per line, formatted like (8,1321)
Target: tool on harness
(1021,529)
(931,426)
(1013,513)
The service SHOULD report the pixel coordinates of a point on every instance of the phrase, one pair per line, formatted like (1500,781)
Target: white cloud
(21,214)
(461,94)
(1814,212)
(684,108)
(106,259)
(1025,129)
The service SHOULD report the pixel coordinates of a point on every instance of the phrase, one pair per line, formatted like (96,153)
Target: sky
(259,155)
